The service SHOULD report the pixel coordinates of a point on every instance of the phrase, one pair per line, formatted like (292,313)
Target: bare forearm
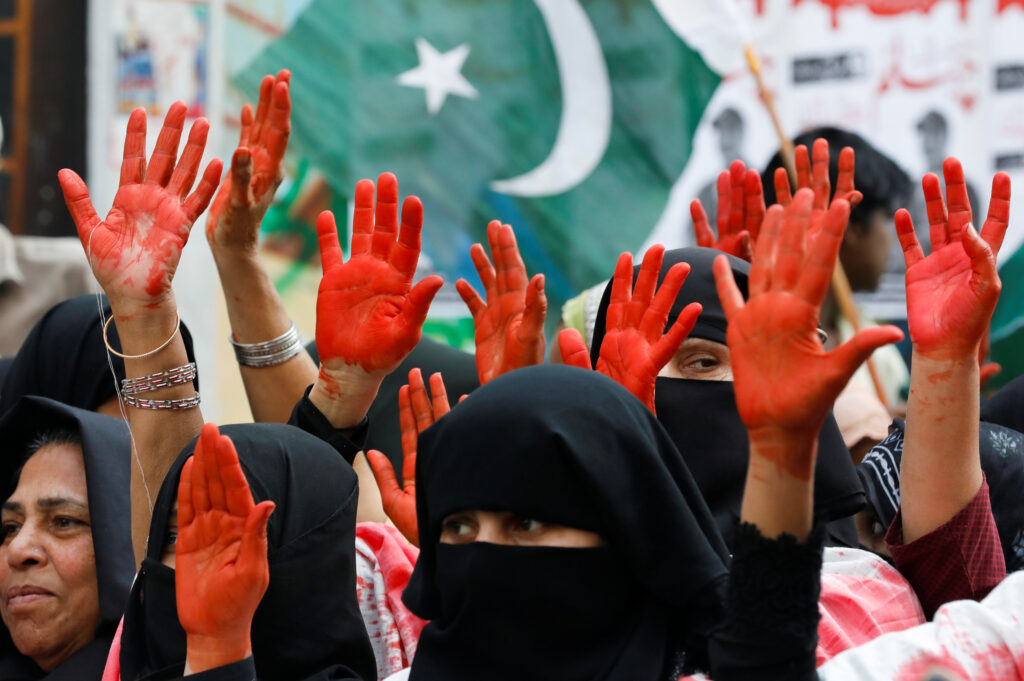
(257,314)
(344,396)
(941,467)
(159,435)
(775,499)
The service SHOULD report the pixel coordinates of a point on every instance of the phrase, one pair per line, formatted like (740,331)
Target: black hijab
(460,378)
(571,447)
(106,451)
(308,625)
(1006,407)
(64,358)
(1002,460)
(704,422)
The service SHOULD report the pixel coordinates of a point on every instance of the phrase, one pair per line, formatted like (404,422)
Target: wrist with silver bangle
(131,387)
(268,353)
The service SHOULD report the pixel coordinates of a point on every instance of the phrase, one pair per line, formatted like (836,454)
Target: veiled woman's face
(509,529)
(49,597)
(701,360)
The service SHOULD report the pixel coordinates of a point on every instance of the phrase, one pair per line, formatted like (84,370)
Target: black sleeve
(243,670)
(348,441)
(770,629)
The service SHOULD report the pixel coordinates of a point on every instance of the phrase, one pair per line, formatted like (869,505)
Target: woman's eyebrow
(50,503)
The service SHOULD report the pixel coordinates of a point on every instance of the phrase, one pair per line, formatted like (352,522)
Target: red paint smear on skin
(1006,4)
(941,376)
(991,663)
(887,7)
(329,385)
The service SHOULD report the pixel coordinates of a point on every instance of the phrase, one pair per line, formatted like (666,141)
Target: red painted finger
(804,176)
(754,200)
(241,177)
(407,421)
(998,218)
(262,105)
(421,408)
(362,218)
(728,292)
(184,175)
(252,549)
(574,349)
(655,316)
(763,264)
(275,133)
(912,252)
(783,194)
(535,310)
(237,494)
(485,270)
(737,202)
(508,263)
(205,447)
(417,304)
(385,217)
(985,281)
(816,274)
(724,189)
(246,119)
(848,357)
(791,241)
(133,165)
(844,181)
(166,151)
(668,345)
(701,228)
(327,233)
(957,202)
(405,256)
(819,175)
(936,207)
(76,196)
(469,296)
(622,291)
(438,400)
(198,200)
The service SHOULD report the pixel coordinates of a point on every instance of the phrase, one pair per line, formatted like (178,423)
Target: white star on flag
(439,74)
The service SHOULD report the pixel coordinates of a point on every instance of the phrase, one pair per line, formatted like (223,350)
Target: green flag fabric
(569,120)
(1007,335)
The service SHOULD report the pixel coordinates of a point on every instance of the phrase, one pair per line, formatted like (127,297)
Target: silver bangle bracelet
(160,379)
(268,353)
(183,403)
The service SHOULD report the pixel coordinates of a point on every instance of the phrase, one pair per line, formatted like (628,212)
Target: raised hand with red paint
(221,570)
(134,252)
(952,293)
(417,411)
(741,210)
(256,171)
(635,345)
(812,173)
(510,324)
(785,382)
(368,313)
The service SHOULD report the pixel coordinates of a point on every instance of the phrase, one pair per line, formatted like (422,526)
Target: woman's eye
(8,530)
(529,525)
(704,363)
(457,527)
(66,523)
(172,538)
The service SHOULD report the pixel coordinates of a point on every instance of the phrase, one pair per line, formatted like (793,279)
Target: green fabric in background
(352,119)
(1007,336)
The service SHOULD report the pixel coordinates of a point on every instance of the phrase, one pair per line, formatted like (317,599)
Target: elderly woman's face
(49,598)
(700,359)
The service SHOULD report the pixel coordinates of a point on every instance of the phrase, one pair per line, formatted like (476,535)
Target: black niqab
(1006,407)
(574,448)
(106,452)
(64,358)
(308,625)
(704,422)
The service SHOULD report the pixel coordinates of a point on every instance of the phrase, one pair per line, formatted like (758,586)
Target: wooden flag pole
(840,284)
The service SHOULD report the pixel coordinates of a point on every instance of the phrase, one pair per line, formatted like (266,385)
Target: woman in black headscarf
(104,442)
(308,624)
(64,359)
(695,403)
(556,446)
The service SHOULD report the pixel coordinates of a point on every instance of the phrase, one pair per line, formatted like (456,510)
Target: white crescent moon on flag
(586,123)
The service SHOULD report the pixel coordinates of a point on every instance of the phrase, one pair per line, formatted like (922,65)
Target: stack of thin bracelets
(268,353)
(131,387)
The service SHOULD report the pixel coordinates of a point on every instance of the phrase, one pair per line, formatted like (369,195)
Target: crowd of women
(677,501)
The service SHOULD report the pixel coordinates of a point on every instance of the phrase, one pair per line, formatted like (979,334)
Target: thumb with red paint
(221,568)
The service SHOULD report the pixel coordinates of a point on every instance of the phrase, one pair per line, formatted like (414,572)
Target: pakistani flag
(568,119)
